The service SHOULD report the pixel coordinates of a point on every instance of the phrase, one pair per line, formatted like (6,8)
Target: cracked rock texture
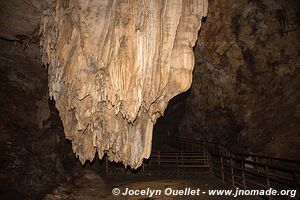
(20,19)
(246,91)
(35,156)
(114,65)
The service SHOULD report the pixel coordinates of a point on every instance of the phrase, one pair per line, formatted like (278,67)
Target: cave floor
(90,186)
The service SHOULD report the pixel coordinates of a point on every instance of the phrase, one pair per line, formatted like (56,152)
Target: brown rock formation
(245,90)
(113,67)
(35,157)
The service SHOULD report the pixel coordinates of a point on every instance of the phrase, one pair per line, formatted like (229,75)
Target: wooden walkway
(246,171)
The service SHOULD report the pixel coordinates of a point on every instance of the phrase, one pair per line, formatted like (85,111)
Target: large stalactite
(113,66)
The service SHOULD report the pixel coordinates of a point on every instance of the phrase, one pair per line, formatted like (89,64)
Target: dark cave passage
(236,126)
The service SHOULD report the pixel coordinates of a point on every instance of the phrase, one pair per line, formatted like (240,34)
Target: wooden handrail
(259,164)
(199,141)
(178,159)
(273,158)
(230,166)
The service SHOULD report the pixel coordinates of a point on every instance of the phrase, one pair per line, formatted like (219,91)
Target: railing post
(222,169)
(181,157)
(296,184)
(210,164)
(268,180)
(158,157)
(232,171)
(243,172)
(256,161)
(177,164)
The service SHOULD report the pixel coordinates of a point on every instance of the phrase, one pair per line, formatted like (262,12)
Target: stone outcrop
(35,156)
(245,90)
(114,65)
(20,20)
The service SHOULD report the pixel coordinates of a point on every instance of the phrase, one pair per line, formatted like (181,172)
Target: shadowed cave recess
(93,93)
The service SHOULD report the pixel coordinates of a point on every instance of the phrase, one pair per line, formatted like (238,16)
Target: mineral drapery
(113,65)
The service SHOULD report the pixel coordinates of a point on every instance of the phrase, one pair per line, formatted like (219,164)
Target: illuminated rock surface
(114,65)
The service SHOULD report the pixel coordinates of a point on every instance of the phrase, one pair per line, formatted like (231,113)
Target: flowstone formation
(114,65)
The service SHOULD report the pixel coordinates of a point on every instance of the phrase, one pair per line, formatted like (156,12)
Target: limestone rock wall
(114,65)
(245,90)
(35,156)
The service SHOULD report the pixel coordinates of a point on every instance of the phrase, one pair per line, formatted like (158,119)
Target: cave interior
(231,93)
